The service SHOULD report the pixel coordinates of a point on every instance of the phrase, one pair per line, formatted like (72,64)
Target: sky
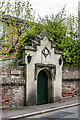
(48,7)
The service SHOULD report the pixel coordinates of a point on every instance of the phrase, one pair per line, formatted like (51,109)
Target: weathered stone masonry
(41,56)
(13,87)
(44,57)
(70,82)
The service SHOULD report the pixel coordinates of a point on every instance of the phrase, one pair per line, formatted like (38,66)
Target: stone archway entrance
(44,77)
(42,88)
(42,59)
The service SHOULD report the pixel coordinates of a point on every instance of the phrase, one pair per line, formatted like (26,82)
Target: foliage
(17,16)
(61,28)
(64,31)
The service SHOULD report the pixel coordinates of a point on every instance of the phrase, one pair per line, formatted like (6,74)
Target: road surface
(72,113)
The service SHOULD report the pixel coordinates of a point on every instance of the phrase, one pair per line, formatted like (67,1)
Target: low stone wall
(70,73)
(70,82)
(13,87)
(70,88)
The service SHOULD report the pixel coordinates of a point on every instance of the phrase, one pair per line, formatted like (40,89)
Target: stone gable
(43,56)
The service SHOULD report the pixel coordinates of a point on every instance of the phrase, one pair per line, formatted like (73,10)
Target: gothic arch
(51,72)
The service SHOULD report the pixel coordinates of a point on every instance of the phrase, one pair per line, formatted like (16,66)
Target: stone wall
(69,73)
(14,90)
(71,81)
(13,87)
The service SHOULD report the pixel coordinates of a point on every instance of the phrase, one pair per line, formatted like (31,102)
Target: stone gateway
(43,71)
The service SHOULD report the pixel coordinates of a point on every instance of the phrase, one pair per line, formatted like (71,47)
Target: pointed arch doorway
(42,88)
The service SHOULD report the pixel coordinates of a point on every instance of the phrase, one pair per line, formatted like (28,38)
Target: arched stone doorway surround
(42,55)
(50,70)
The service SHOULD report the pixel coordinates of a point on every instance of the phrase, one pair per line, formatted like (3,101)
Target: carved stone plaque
(15,72)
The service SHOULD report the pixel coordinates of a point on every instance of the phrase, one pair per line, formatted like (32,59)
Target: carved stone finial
(43,33)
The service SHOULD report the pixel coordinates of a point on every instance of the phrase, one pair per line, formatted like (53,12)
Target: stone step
(38,38)
(29,48)
(34,44)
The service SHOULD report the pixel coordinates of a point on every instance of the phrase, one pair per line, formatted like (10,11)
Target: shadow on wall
(31,100)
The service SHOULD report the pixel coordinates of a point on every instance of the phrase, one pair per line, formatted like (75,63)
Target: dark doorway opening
(42,88)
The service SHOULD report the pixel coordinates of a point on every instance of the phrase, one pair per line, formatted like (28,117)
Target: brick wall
(13,87)
(70,82)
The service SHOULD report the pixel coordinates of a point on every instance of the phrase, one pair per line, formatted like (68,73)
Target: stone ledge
(29,48)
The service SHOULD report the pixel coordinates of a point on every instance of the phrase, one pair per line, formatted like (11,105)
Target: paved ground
(66,113)
(34,110)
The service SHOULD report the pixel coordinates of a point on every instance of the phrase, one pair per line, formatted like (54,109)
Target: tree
(18,16)
(63,30)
